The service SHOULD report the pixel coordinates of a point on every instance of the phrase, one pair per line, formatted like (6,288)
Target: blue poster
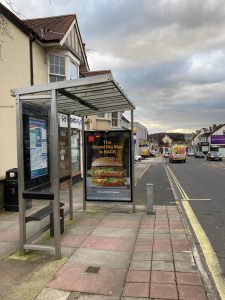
(38,147)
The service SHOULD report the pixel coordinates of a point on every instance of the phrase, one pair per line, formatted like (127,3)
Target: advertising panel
(108,175)
(38,147)
(218,139)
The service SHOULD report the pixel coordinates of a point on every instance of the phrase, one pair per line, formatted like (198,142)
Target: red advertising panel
(108,165)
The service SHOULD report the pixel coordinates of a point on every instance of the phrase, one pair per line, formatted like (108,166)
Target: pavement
(108,252)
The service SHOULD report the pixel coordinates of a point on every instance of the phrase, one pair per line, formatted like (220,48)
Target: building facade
(140,137)
(34,51)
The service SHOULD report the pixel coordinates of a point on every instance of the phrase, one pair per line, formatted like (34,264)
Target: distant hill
(157,137)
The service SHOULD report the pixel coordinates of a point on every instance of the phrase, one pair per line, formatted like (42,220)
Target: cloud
(168,55)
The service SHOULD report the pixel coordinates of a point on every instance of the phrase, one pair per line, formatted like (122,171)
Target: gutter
(31,40)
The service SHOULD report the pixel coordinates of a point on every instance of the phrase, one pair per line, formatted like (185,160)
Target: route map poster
(108,165)
(38,147)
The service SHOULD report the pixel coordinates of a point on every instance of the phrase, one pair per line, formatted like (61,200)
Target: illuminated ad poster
(38,147)
(108,165)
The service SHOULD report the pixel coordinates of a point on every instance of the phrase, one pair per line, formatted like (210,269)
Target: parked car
(199,154)
(152,153)
(214,155)
(166,154)
(190,153)
(138,158)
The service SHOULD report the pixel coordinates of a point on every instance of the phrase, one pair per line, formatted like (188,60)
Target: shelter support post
(83,162)
(19,120)
(55,173)
(132,158)
(70,169)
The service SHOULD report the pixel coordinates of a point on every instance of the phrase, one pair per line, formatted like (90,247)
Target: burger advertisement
(108,165)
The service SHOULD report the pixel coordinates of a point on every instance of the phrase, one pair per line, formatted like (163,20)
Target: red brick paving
(138,276)
(144,241)
(164,291)
(136,290)
(108,243)
(162,277)
(147,226)
(143,248)
(188,278)
(181,248)
(72,240)
(162,248)
(73,278)
(188,292)
(118,223)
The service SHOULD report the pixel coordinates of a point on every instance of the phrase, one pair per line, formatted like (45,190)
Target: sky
(167,55)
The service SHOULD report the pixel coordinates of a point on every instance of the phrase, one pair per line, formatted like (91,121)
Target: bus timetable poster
(38,147)
(108,165)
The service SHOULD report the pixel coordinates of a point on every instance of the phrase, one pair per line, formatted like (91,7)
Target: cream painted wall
(40,64)
(102,124)
(14,68)
(15,72)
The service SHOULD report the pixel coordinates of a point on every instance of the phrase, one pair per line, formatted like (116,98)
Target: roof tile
(51,28)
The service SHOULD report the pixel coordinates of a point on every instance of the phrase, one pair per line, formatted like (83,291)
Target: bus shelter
(38,147)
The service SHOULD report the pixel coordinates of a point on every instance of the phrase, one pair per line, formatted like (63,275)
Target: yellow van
(178,153)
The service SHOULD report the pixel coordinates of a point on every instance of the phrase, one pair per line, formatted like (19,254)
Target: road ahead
(204,183)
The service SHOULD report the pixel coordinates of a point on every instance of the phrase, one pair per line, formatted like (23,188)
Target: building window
(115,119)
(224,132)
(57,68)
(73,71)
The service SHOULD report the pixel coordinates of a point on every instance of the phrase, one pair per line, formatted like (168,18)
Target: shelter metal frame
(82,97)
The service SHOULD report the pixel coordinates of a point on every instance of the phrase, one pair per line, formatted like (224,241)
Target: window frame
(68,59)
(56,74)
(113,119)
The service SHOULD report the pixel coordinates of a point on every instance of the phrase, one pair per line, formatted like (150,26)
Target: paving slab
(163,277)
(7,248)
(80,229)
(114,259)
(164,291)
(96,297)
(73,277)
(108,243)
(147,255)
(183,256)
(53,294)
(188,278)
(184,266)
(162,265)
(132,289)
(191,292)
(138,276)
(115,232)
(162,256)
(15,271)
(72,240)
(140,265)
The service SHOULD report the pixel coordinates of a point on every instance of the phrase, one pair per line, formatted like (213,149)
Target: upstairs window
(73,71)
(115,122)
(57,68)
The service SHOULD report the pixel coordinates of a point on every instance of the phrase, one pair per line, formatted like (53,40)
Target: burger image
(107,171)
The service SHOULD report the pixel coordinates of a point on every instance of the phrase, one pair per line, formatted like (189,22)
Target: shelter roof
(94,73)
(81,97)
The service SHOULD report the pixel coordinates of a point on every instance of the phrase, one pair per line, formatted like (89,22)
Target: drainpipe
(31,61)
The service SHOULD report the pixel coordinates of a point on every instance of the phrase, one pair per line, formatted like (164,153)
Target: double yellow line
(181,190)
(207,249)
